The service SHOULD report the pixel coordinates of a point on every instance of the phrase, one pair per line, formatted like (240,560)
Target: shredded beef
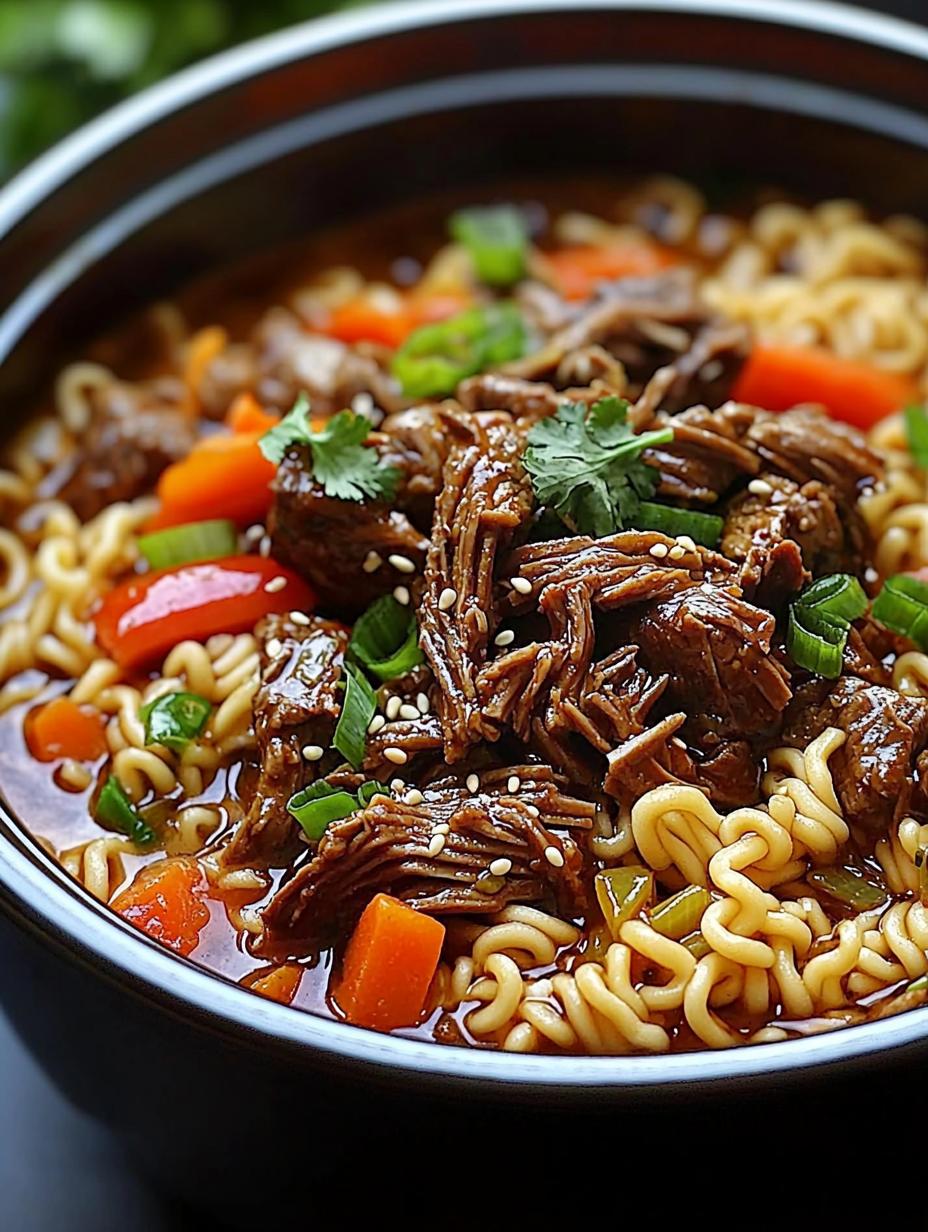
(389,846)
(298,703)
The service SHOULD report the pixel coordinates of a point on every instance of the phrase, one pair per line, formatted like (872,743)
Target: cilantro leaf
(346,468)
(587,465)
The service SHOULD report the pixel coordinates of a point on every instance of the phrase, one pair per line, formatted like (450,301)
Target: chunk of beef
(135,431)
(390,846)
(334,543)
(876,771)
(705,458)
(297,704)
(806,444)
(527,401)
(486,498)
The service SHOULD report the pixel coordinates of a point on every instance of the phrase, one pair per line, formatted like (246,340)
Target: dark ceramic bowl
(258,146)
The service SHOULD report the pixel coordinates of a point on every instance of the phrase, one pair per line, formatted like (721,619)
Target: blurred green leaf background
(62,61)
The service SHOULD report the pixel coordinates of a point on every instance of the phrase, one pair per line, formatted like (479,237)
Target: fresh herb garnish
(916,431)
(385,639)
(587,465)
(345,467)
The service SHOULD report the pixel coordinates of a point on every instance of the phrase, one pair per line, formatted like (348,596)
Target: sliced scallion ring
(496,238)
(115,810)
(179,545)
(385,639)
(902,605)
(175,719)
(839,596)
(815,642)
(704,528)
(315,806)
(435,358)
(357,711)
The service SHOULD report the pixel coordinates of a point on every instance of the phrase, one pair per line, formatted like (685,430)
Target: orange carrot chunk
(389,964)
(779,377)
(577,270)
(224,476)
(246,414)
(166,901)
(64,729)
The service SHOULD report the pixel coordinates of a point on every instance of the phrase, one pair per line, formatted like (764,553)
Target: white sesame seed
(686,542)
(473,783)
(275,584)
(505,637)
(372,561)
(397,785)
(521,584)
(681,744)
(554,857)
(514,783)
(441,828)
(312,752)
(500,867)
(409,712)
(436,844)
(658,550)
(870,574)
(299,618)
(264,547)
(255,533)
(677,553)
(422,703)
(760,487)
(447,598)
(274,647)
(378,721)
(415,796)
(403,563)
(392,708)
(401,595)
(397,756)
(362,403)
(533,810)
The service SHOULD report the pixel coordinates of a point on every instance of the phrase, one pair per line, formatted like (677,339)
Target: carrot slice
(577,270)
(166,901)
(224,476)
(389,964)
(246,414)
(779,377)
(64,729)
(279,984)
(362,320)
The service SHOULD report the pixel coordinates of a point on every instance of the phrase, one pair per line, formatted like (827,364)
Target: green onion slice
(916,430)
(902,605)
(678,916)
(175,719)
(115,810)
(704,528)
(496,238)
(849,887)
(315,806)
(838,597)
(434,358)
(816,643)
(179,545)
(357,711)
(386,640)
(622,894)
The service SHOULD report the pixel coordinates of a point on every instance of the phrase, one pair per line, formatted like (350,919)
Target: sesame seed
(362,403)
(299,618)
(521,584)
(392,708)
(403,563)
(681,744)
(504,638)
(409,712)
(760,487)
(422,703)
(274,647)
(275,584)
(658,550)
(870,574)
(554,857)
(397,785)
(401,595)
(397,756)
(447,598)
(441,828)
(313,752)
(376,723)
(415,796)
(686,542)
(533,810)
(264,547)
(500,867)
(473,783)
(677,553)
(513,784)
(436,844)
(372,561)
(254,534)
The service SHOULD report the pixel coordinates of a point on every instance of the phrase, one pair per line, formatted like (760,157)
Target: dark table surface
(59,1171)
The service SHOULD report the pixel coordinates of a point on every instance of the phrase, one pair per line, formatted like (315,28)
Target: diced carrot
(246,414)
(779,377)
(363,320)
(425,309)
(63,729)
(577,270)
(389,964)
(223,476)
(166,901)
(279,984)
(202,349)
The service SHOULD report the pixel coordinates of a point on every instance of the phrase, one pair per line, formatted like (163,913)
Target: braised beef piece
(805,444)
(877,771)
(390,846)
(297,704)
(135,431)
(485,500)
(705,458)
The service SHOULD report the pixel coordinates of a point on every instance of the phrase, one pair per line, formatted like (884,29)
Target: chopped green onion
(116,810)
(680,915)
(179,545)
(357,711)
(704,528)
(175,719)
(622,894)
(916,430)
(919,985)
(367,791)
(816,643)
(386,640)
(434,358)
(315,806)
(697,945)
(902,605)
(496,238)
(849,887)
(838,597)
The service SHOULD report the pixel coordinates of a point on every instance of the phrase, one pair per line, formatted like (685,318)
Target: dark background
(60,1172)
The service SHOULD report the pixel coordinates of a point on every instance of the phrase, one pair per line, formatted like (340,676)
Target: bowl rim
(38,894)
